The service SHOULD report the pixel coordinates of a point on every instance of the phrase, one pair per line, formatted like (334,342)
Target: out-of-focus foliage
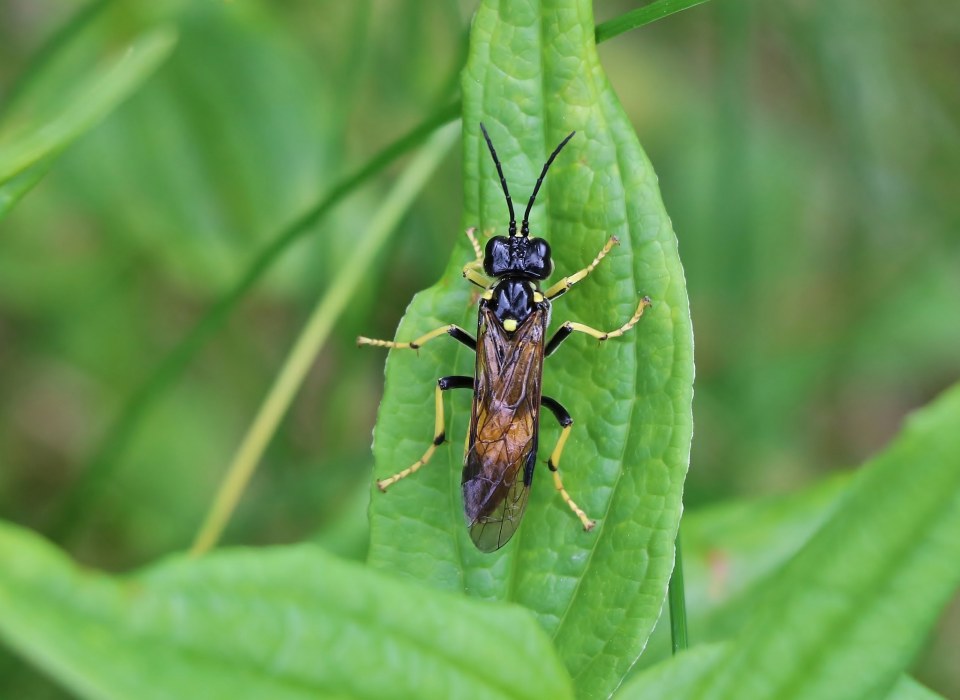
(842,618)
(808,153)
(31,142)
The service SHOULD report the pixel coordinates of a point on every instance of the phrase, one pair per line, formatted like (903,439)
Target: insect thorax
(513,299)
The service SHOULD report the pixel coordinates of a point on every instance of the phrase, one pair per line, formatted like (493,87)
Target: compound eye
(543,249)
(539,263)
(496,256)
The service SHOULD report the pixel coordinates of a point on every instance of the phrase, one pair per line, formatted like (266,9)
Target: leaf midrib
(595,541)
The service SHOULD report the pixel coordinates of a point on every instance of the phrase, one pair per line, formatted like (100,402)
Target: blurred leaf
(234,135)
(731,546)
(289,622)
(731,551)
(597,593)
(677,677)
(849,612)
(908,689)
(88,104)
(680,676)
(16,187)
(866,589)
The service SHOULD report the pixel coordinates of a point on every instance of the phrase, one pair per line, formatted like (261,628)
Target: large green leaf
(532,76)
(680,676)
(289,622)
(845,617)
(83,106)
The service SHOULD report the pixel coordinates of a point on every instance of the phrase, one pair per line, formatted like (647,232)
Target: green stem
(102,465)
(315,333)
(678,603)
(641,16)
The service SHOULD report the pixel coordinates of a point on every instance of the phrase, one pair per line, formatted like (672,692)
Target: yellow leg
(472,235)
(567,282)
(570,326)
(554,463)
(474,276)
(601,335)
(473,270)
(454,330)
(439,434)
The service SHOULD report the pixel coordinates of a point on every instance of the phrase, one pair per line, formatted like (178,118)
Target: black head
(518,254)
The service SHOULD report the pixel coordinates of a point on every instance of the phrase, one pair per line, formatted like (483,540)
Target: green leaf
(680,676)
(290,622)
(908,689)
(729,547)
(866,590)
(88,104)
(846,616)
(677,677)
(732,551)
(533,76)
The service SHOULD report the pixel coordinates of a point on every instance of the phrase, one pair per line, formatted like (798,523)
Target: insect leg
(472,235)
(439,435)
(456,331)
(566,423)
(569,327)
(563,285)
(473,270)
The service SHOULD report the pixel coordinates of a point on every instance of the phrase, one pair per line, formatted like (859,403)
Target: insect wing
(502,447)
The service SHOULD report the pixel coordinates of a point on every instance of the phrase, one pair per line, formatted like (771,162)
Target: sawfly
(510,345)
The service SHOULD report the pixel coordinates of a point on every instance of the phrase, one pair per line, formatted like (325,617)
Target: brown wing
(502,448)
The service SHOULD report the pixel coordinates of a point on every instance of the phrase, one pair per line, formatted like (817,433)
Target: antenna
(525,228)
(503,181)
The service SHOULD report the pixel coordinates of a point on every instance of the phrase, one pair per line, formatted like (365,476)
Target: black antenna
(525,228)
(503,181)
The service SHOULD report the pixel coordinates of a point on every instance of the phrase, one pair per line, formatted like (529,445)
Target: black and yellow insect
(510,347)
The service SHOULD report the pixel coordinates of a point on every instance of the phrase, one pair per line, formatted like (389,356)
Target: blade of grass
(101,466)
(43,56)
(15,188)
(87,103)
(315,333)
(641,16)
(678,603)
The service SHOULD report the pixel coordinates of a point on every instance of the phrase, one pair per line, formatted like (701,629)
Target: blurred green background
(809,154)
